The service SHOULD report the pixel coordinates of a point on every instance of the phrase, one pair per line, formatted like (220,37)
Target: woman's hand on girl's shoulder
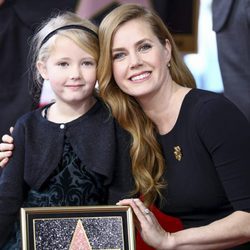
(6,148)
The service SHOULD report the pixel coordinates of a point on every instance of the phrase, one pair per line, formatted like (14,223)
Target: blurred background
(204,64)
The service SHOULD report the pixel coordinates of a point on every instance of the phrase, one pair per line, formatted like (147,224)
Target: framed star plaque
(74,228)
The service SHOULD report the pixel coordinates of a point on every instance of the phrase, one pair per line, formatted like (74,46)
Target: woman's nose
(135,60)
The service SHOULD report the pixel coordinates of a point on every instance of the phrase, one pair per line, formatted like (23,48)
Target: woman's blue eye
(118,56)
(145,47)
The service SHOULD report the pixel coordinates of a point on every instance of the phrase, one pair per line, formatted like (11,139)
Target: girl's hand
(6,148)
(151,231)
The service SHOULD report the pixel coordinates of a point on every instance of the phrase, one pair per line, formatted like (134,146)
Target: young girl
(70,152)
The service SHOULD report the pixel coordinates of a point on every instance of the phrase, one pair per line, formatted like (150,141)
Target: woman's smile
(140,77)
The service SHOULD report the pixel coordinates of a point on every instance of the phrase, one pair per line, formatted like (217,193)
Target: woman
(204,138)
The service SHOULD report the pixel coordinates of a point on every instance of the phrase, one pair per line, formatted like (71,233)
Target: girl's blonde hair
(148,164)
(84,39)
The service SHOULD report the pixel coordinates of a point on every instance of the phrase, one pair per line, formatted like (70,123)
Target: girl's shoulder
(33,115)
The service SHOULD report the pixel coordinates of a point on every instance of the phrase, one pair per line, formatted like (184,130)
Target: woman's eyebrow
(136,44)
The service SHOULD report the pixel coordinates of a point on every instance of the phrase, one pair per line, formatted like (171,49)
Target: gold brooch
(177,153)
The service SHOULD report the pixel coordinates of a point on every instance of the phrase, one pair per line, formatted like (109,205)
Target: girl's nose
(75,73)
(74,78)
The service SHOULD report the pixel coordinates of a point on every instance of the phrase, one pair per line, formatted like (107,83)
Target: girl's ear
(41,67)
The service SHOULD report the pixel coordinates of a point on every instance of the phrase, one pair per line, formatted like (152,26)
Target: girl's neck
(61,112)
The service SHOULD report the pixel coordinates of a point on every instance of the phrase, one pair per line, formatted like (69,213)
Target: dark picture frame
(95,227)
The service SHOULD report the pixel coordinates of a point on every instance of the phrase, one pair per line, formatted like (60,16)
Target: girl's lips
(140,77)
(75,86)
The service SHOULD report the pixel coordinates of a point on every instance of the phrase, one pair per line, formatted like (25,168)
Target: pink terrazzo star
(80,240)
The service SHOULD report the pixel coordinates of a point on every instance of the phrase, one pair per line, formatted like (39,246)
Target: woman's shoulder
(199,96)
(205,101)
(208,107)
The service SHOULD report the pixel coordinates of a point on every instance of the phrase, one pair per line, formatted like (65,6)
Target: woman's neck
(163,109)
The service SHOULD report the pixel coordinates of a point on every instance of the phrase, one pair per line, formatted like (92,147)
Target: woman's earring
(169,65)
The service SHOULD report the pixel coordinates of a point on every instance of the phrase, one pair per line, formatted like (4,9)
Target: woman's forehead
(132,32)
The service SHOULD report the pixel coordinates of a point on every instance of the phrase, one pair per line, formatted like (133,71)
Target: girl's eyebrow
(63,58)
(136,44)
(85,57)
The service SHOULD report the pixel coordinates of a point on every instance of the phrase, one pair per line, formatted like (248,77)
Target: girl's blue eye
(88,63)
(63,64)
